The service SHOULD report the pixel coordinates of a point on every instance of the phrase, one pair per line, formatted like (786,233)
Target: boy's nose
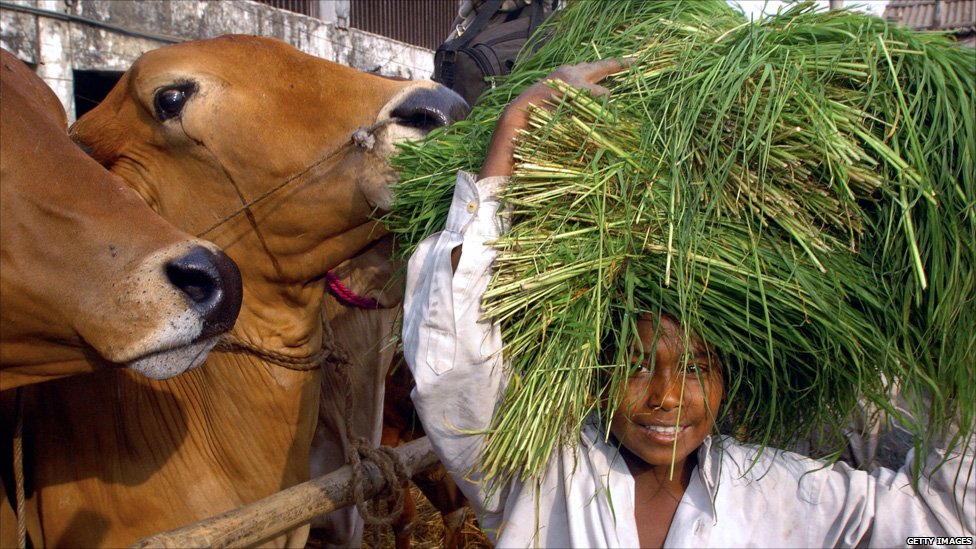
(664,392)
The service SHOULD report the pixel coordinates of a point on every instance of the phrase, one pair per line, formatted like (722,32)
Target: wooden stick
(290,508)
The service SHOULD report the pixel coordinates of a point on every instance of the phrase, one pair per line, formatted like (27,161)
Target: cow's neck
(141,441)
(33,354)
(295,330)
(46,370)
(281,310)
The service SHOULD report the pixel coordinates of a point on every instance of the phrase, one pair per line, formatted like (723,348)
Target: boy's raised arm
(454,354)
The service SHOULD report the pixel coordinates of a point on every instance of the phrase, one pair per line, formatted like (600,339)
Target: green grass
(799,191)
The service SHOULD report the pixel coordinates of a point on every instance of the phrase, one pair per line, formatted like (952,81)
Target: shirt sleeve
(885,508)
(943,505)
(747,496)
(454,354)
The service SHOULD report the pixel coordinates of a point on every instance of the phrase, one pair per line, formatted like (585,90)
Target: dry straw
(798,190)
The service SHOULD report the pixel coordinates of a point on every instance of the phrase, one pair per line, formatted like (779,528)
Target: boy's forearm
(501,152)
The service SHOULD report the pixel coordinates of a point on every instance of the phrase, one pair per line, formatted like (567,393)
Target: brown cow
(89,275)
(368,336)
(382,411)
(280,157)
(86,264)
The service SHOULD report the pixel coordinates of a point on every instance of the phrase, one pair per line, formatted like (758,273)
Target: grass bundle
(799,191)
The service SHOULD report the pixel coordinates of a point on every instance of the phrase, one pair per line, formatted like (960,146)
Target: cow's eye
(169,102)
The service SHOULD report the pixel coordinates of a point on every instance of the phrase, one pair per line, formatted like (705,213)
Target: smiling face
(669,404)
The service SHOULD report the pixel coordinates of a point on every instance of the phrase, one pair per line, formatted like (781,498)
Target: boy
(662,478)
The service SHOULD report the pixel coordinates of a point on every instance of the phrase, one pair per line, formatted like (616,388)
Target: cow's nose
(212,282)
(428,108)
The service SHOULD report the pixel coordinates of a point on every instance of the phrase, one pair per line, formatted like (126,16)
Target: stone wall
(61,36)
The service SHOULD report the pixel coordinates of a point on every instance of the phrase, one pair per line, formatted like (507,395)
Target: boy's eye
(639,368)
(695,369)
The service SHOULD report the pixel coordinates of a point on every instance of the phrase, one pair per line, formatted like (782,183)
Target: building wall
(61,36)
(426,23)
(955,16)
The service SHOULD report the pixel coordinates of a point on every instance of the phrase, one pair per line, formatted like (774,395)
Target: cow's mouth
(171,362)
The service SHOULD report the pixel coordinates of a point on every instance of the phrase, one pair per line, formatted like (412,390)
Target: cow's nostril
(430,108)
(193,281)
(212,282)
(425,119)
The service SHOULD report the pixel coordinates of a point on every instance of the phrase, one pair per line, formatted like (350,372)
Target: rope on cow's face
(362,137)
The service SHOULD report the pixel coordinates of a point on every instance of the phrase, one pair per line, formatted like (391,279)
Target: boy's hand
(499,160)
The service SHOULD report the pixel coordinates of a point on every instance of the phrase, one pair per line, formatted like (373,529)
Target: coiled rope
(333,356)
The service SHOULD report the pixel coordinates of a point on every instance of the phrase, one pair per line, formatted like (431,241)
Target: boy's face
(669,404)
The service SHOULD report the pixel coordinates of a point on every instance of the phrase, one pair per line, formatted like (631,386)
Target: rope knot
(386,459)
(364,138)
(393,470)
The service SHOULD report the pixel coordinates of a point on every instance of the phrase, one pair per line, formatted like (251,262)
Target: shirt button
(472,206)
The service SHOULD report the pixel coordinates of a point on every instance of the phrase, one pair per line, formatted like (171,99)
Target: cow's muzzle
(429,108)
(212,285)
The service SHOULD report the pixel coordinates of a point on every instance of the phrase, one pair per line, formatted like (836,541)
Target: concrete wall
(60,36)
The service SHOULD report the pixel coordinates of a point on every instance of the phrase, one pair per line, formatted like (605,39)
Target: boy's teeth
(672,430)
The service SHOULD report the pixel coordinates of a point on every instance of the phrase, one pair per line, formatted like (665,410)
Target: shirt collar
(709,466)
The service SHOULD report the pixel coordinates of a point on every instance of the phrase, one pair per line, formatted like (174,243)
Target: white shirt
(785,500)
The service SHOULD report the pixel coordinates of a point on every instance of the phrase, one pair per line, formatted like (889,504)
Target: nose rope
(247,205)
(248,213)
(362,137)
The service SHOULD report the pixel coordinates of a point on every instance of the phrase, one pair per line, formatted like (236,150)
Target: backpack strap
(538,15)
(535,11)
(447,52)
(487,11)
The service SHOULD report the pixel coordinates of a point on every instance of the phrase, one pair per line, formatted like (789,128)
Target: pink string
(346,296)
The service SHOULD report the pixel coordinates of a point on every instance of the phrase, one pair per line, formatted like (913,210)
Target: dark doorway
(91,87)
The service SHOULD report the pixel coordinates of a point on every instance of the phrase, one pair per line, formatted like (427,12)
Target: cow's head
(86,264)
(276,155)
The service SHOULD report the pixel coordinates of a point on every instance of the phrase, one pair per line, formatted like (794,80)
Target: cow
(91,276)
(366,334)
(281,158)
(382,412)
